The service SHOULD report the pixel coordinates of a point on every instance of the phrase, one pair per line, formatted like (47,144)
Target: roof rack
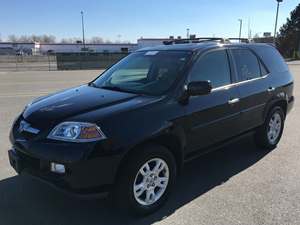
(243,40)
(194,40)
(205,39)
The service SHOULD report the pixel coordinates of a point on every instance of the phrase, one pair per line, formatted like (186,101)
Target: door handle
(270,89)
(233,101)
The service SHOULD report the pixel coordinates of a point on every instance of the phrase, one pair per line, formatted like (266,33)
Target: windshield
(150,72)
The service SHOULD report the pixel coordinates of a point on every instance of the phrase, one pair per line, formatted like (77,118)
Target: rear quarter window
(247,64)
(272,58)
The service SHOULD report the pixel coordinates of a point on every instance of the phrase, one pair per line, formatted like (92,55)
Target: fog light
(57,168)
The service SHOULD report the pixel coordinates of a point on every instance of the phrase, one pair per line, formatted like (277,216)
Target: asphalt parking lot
(239,184)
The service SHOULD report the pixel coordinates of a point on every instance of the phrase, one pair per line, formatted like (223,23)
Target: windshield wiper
(92,84)
(116,88)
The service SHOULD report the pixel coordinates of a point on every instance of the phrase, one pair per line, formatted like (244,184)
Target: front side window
(213,67)
(247,64)
(149,72)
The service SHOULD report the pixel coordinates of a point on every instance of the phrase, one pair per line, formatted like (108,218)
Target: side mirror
(199,88)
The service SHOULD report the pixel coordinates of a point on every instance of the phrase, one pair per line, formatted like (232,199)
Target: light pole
(241,25)
(276,20)
(82,24)
(187,33)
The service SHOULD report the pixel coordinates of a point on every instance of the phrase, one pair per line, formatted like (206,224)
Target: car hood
(57,107)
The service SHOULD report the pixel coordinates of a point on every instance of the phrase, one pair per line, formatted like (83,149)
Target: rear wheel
(146,180)
(269,134)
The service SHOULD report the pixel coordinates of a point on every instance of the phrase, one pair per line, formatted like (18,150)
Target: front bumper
(90,177)
(290,104)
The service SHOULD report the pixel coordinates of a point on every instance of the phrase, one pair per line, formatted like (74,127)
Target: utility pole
(276,20)
(82,24)
(249,29)
(241,25)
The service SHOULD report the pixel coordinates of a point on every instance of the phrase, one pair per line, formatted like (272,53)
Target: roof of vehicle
(200,46)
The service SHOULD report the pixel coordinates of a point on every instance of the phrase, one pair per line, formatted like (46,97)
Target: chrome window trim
(228,86)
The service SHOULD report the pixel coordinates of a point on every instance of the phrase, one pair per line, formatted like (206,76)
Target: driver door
(214,117)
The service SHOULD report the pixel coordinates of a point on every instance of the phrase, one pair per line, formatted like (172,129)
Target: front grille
(31,162)
(23,129)
(27,135)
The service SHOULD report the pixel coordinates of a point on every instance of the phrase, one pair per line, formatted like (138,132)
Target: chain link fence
(59,61)
(27,62)
(75,61)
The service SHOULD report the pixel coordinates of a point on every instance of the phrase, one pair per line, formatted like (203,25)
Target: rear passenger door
(214,117)
(253,87)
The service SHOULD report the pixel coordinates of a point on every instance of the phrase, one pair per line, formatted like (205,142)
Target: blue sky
(137,18)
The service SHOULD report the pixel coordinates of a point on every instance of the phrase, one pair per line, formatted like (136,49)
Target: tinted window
(151,72)
(247,64)
(272,58)
(263,69)
(214,67)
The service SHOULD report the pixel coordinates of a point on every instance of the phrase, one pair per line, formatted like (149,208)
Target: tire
(264,137)
(124,195)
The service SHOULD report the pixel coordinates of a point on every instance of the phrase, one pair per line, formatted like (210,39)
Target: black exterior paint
(191,125)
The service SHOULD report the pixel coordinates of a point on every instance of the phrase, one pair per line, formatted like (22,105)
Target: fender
(169,134)
(281,98)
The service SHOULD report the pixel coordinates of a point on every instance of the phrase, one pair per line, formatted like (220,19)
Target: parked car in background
(131,130)
(7,51)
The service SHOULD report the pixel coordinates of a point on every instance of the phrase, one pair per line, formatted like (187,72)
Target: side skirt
(196,154)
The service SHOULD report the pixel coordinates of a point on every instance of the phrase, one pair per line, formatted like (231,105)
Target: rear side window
(263,69)
(247,64)
(272,58)
(214,67)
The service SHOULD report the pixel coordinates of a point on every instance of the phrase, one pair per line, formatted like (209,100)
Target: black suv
(130,131)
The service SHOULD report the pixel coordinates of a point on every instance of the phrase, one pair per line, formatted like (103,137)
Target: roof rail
(205,39)
(243,40)
(194,40)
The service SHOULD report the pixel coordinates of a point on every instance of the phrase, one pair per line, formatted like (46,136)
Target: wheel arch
(278,102)
(172,142)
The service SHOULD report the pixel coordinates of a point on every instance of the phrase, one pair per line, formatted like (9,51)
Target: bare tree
(48,38)
(256,35)
(12,38)
(64,40)
(126,42)
(96,40)
(32,38)
(24,38)
(70,40)
(52,39)
(107,41)
(100,40)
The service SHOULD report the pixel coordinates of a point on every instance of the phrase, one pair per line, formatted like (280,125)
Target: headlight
(76,132)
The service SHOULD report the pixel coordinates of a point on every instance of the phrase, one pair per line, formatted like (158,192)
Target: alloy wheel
(274,128)
(151,182)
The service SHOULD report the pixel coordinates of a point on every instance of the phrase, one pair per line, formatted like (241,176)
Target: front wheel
(269,134)
(146,180)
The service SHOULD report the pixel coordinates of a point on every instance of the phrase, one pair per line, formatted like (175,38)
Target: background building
(72,48)
(9,48)
(150,42)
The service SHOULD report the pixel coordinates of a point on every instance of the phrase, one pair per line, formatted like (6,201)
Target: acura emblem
(24,126)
